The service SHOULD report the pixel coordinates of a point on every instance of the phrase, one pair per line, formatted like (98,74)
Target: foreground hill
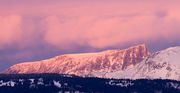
(56,83)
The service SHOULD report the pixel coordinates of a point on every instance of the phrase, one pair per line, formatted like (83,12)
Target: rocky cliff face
(163,64)
(86,64)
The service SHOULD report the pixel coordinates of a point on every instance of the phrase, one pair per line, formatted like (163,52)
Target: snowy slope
(164,64)
(86,64)
(134,63)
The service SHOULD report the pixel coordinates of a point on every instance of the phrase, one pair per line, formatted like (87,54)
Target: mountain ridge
(134,62)
(109,60)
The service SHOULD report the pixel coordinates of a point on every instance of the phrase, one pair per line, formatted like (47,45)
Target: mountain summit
(163,64)
(86,64)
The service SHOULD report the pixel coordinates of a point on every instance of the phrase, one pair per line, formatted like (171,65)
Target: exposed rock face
(164,64)
(85,64)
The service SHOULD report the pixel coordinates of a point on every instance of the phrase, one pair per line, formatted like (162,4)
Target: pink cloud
(96,24)
(10,29)
(100,32)
(17,31)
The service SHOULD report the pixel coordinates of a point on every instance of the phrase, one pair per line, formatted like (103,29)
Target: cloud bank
(105,32)
(94,31)
(95,24)
(10,29)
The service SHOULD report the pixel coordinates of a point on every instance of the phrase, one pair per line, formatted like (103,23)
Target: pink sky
(99,24)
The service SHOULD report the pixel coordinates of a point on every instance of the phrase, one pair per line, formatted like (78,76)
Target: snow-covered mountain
(134,63)
(86,64)
(164,64)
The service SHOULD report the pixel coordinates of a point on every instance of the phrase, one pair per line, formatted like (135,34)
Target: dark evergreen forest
(60,83)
